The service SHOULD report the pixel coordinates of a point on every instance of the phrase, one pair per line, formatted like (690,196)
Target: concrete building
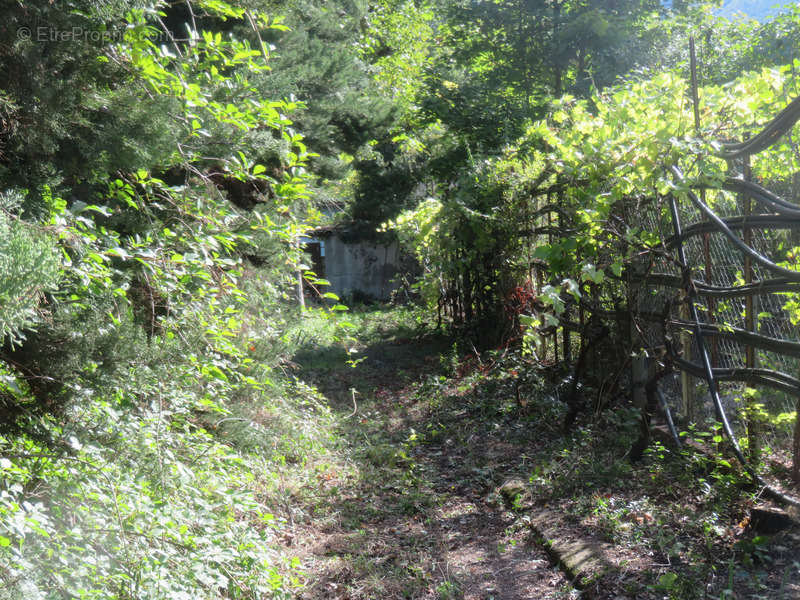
(355,265)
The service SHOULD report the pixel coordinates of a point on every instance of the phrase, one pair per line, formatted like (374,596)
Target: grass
(376,459)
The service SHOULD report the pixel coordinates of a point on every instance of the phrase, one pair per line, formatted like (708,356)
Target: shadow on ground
(454,469)
(418,516)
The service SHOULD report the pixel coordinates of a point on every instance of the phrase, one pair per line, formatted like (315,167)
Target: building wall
(361,267)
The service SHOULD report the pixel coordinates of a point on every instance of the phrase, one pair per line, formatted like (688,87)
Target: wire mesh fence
(714,304)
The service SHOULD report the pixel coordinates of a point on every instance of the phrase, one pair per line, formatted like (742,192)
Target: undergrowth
(165,478)
(678,521)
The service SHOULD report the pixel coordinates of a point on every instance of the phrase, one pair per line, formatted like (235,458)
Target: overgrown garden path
(455,478)
(416,517)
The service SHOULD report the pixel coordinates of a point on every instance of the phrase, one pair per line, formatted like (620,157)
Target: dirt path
(421,512)
(451,465)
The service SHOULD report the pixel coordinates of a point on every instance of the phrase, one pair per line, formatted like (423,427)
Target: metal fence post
(753,436)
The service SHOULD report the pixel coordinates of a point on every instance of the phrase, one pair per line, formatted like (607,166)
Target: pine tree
(29,266)
(318,62)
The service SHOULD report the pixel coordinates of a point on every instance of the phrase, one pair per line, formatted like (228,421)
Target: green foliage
(149,492)
(462,241)
(501,63)
(147,505)
(154,186)
(725,48)
(590,157)
(156,166)
(318,61)
(29,267)
(492,80)
(398,43)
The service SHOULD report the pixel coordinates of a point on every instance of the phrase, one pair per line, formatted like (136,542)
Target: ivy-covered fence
(567,240)
(716,300)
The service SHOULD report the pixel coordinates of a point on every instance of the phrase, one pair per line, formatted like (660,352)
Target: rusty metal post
(687,381)
(706,237)
(753,434)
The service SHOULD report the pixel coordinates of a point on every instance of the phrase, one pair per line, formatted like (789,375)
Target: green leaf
(667,581)
(590,273)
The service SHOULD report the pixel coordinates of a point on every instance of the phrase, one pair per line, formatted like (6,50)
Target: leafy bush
(138,501)
(157,168)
